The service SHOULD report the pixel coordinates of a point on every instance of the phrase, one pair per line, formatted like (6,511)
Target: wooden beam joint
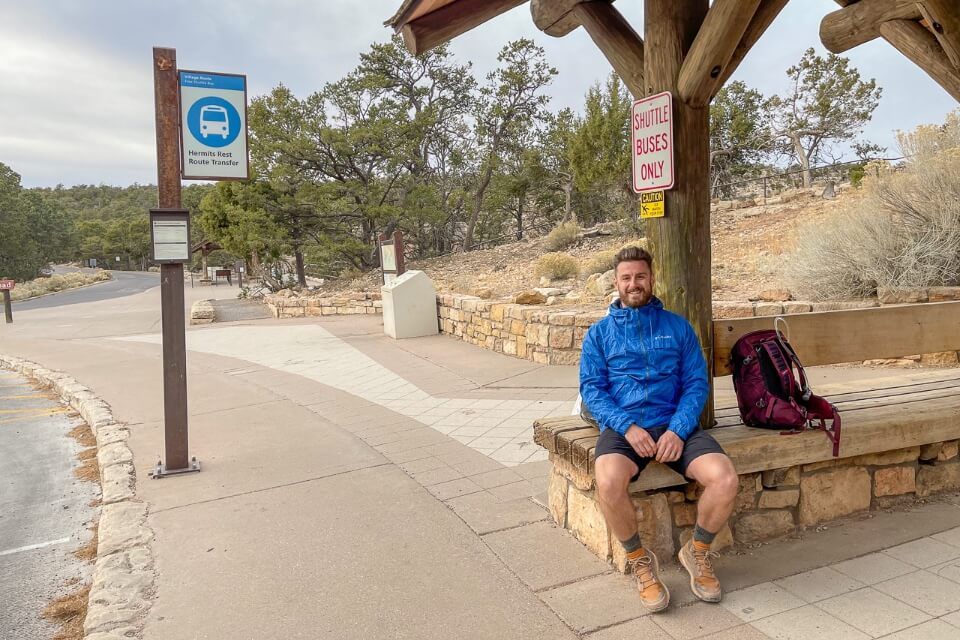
(557,18)
(446,23)
(616,39)
(943,17)
(713,48)
(860,22)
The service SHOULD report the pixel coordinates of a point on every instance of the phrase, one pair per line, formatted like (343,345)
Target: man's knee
(612,481)
(719,474)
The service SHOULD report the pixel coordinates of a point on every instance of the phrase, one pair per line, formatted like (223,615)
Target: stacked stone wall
(769,505)
(282,305)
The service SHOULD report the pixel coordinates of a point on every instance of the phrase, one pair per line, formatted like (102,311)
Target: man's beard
(635,298)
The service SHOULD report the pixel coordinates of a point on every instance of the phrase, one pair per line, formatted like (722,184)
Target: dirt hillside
(750,246)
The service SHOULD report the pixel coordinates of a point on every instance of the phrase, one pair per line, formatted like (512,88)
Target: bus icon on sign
(214,121)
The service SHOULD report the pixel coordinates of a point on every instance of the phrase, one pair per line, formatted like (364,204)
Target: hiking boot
(699,564)
(653,593)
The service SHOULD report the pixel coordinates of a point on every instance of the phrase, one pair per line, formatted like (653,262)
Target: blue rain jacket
(645,367)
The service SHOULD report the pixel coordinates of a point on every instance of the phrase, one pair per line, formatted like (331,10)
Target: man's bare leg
(720,482)
(613,472)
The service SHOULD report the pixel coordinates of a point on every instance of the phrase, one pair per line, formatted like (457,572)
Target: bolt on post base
(161,470)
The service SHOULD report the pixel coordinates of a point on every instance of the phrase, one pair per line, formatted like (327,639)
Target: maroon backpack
(770,396)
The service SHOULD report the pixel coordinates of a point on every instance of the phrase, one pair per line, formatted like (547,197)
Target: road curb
(124,574)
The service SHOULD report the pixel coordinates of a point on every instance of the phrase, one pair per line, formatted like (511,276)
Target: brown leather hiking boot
(699,564)
(654,595)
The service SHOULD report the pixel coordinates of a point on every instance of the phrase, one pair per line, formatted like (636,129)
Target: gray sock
(702,535)
(632,544)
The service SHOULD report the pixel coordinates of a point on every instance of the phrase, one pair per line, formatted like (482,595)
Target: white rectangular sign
(213,126)
(652,143)
(171,240)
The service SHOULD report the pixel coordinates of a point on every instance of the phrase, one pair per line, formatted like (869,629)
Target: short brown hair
(633,254)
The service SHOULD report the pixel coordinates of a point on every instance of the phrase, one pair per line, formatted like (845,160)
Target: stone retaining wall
(288,305)
(534,332)
(551,335)
(769,505)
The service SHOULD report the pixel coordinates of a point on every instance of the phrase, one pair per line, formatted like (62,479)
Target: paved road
(44,510)
(124,283)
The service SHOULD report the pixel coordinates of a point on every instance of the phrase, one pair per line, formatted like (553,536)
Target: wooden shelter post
(680,241)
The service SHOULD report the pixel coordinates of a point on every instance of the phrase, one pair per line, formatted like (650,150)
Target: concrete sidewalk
(356,487)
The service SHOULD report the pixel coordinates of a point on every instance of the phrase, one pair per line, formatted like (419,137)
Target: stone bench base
(770,504)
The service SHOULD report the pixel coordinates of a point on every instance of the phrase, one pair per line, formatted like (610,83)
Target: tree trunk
(519,217)
(804,160)
(478,203)
(301,274)
(568,213)
(681,240)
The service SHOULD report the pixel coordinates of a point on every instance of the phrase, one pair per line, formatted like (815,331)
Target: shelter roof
(925,31)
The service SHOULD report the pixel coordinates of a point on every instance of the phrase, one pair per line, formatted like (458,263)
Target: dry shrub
(601,262)
(58,282)
(69,612)
(563,235)
(904,232)
(557,266)
(639,242)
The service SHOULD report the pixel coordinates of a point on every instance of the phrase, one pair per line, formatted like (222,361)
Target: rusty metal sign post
(391,256)
(6,286)
(175,429)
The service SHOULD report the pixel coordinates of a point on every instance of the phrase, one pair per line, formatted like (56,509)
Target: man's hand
(669,447)
(641,441)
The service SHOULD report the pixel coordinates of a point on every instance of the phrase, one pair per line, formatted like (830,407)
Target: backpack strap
(784,342)
(819,409)
(779,359)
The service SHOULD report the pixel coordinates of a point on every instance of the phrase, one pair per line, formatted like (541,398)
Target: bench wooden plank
(832,337)
(866,430)
(545,431)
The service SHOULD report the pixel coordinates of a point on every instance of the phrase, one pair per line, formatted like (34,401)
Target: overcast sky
(76,84)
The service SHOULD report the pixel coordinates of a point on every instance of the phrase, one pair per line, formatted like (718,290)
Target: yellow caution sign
(651,204)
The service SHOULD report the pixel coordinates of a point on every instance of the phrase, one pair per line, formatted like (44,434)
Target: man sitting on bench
(644,379)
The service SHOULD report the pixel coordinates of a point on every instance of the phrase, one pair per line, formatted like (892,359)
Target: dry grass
(601,262)
(69,612)
(562,236)
(557,266)
(88,552)
(89,470)
(905,233)
(83,435)
(86,454)
(42,286)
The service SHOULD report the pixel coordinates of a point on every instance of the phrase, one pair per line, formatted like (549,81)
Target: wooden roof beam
(557,17)
(943,16)
(617,40)
(766,13)
(722,30)
(860,22)
(448,22)
(919,45)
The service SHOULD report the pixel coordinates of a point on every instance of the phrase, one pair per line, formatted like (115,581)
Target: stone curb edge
(123,576)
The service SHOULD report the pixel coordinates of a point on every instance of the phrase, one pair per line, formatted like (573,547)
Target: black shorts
(698,444)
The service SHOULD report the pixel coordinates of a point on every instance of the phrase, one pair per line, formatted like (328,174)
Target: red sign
(6,285)
(652,143)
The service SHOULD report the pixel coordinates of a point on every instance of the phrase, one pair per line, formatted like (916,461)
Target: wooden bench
(899,436)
